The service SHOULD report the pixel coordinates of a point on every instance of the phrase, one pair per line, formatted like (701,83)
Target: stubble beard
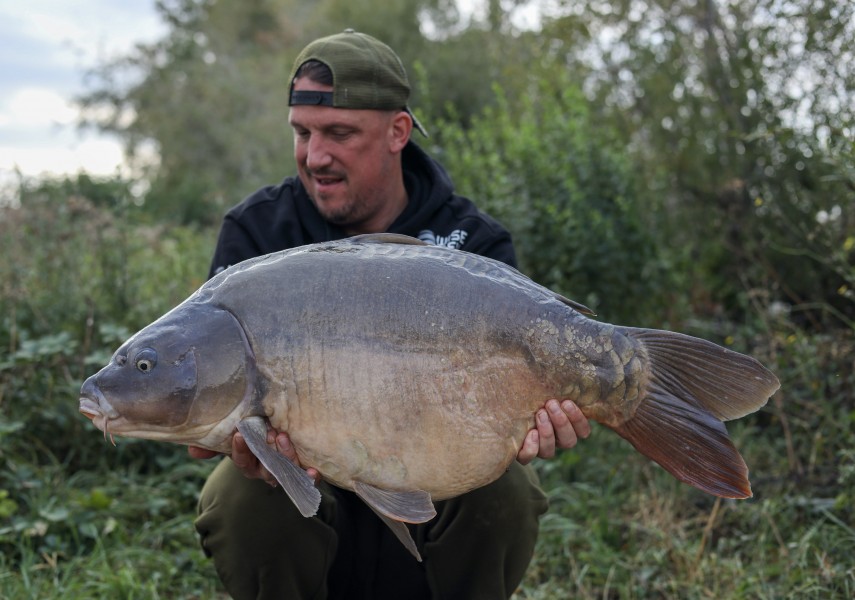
(337,212)
(340,213)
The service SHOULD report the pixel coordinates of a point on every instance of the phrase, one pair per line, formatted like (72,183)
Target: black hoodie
(279,217)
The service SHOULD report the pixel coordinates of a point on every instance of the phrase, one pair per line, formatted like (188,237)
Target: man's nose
(317,155)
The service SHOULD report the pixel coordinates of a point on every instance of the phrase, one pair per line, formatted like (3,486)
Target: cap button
(350,30)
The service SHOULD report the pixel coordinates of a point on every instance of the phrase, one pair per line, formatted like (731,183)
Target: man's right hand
(249,465)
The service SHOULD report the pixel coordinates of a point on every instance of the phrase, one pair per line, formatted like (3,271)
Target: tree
(209,99)
(733,109)
(563,185)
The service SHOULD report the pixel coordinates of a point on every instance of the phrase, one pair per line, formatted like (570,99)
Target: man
(360,173)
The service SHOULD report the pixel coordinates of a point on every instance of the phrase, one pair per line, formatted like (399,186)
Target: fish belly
(403,422)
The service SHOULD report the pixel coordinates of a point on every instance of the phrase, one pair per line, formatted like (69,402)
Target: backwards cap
(367,74)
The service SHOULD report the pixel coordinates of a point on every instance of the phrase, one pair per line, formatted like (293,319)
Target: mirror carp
(410,373)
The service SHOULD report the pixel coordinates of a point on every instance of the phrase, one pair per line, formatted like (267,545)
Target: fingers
(545,432)
(568,422)
(539,441)
(286,449)
(530,447)
(578,421)
(250,466)
(245,460)
(557,425)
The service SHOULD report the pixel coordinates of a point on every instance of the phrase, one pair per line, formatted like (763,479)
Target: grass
(106,522)
(620,527)
(118,529)
(655,538)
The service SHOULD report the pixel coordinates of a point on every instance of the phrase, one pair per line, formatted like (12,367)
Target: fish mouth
(94,406)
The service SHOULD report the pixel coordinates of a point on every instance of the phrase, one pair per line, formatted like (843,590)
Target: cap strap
(312,98)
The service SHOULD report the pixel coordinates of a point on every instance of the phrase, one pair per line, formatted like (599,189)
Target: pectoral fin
(294,480)
(397,508)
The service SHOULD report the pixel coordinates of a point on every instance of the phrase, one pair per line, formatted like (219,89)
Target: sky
(46,49)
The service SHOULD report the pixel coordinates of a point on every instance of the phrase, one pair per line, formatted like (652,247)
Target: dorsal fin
(387,238)
(575,305)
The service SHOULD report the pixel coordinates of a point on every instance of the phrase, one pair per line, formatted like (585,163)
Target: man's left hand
(558,425)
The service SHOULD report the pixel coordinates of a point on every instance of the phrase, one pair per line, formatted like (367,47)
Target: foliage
(201,94)
(565,188)
(210,98)
(77,518)
(741,170)
(621,527)
(212,95)
(741,114)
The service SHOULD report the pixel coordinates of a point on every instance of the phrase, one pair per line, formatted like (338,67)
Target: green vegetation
(78,517)
(668,179)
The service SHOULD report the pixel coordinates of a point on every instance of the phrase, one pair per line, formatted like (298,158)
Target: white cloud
(89,27)
(46,47)
(97,156)
(41,107)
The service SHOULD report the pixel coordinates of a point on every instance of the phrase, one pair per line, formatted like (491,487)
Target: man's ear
(399,131)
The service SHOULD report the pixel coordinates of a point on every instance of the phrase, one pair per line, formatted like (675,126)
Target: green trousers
(478,546)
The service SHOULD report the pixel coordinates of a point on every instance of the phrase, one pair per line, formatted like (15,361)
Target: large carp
(410,373)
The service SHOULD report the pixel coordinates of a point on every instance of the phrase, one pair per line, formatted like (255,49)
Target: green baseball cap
(367,74)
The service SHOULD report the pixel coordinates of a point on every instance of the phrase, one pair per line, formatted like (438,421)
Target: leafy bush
(84,270)
(562,185)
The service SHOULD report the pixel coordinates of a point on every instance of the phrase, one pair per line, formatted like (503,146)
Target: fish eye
(146,360)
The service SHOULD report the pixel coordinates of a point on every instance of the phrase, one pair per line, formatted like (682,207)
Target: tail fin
(693,385)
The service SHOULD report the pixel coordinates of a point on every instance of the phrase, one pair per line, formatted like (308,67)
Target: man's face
(346,160)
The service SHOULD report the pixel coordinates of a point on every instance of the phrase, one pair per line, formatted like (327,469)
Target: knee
(519,487)
(481,543)
(514,500)
(251,530)
(233,510)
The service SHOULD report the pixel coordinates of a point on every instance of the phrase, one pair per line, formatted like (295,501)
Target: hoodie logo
(455,239)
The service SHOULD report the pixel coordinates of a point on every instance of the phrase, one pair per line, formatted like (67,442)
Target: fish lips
(94,405)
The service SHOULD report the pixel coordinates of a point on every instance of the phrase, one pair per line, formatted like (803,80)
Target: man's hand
(249,465)
(557,425)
